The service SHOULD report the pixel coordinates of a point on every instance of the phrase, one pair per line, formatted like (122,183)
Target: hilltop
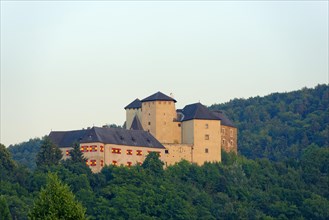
(280,126)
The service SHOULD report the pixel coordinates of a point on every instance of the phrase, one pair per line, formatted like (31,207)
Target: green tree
(4,210)
(76,154)
(6,162)
(49,153)
(56,201)
(153,165)
(25,153)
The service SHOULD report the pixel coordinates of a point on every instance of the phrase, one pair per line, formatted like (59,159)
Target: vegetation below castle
(281,173)
(234,189)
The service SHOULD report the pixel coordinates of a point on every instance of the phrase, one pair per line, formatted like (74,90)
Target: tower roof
(134,104)
(159,96)
(136,124)
(224,120)
(197,111)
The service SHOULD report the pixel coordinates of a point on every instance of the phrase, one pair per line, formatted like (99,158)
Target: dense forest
(281,171)
(280,126)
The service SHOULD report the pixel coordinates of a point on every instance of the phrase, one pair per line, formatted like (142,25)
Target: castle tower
(134,109)
(201,128)
(159,118)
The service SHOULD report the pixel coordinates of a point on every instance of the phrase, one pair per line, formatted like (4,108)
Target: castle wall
(177,152)
(229,139)
(188,132)
(149,117)
(128,155)
(207,145)
(94,153)
(65,152)
(130,114)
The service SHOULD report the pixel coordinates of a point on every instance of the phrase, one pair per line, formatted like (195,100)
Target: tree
(6,162)
(4,210)
(56,201)
(153,165)
(25,153)
(49,153)
(76,154)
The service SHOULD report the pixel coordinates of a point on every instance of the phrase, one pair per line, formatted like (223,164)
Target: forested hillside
(281,125)
(25,153)
(237,188)
(284,136)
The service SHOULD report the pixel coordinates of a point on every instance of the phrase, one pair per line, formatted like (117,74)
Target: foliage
(281,125)
(25,153)
(6,163)
(275,184)
(49,153)
(4,210)
(76,154)
(56,201)
(153,165)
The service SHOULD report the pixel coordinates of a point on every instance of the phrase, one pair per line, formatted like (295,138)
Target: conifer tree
(56,201)
(153,165)
(49,153)
(76,154)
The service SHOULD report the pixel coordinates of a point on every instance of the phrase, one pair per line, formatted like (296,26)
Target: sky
(77,64)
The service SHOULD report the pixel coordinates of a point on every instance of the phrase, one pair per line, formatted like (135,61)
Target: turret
(134,109)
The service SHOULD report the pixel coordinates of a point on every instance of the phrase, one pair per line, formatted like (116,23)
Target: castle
(153,124)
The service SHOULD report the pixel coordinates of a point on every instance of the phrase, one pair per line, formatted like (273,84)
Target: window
(149,123)
(231,142)
(93,148)
(206,126)
(206,150)
(92,162)
(114,162)
(223,142)
(84,148)
(139,153)
(206,137)
(179,124)
(102,163)
(101,148)
(167,151)
(129,152)
(129,164)
(67,152)
(116,150)
(231,131)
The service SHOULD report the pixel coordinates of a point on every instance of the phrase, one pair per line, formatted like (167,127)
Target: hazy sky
(69,65)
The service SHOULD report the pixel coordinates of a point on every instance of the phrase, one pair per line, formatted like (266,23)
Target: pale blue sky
(69,65)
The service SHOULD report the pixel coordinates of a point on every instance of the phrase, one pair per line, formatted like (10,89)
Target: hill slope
(281,125)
